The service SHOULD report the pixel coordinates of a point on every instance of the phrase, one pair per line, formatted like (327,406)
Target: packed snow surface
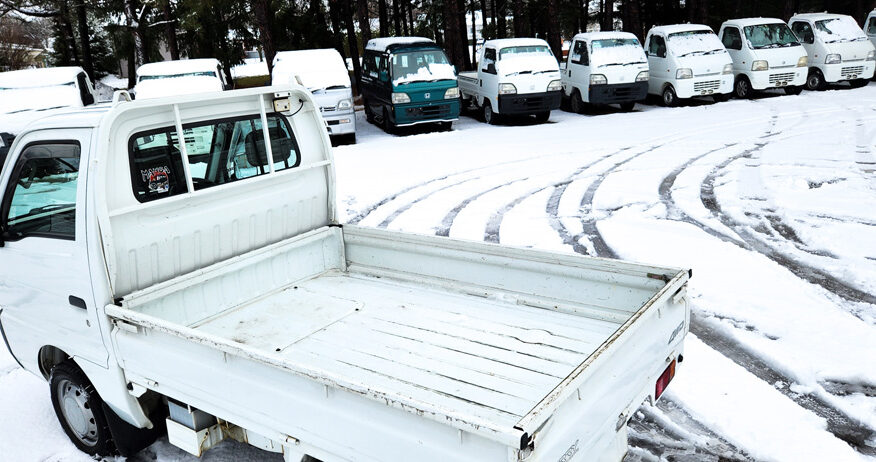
(771,202)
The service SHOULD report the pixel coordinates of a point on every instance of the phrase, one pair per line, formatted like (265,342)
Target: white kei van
(870,26)
(180,77)
(838,49)
(605,68)
(325,74)
(766,55)
(686,61)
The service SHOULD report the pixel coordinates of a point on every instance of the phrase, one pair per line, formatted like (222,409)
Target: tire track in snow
(447,221)
(404,208)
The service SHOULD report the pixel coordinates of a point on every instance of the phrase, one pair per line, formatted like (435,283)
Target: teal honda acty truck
(408,81)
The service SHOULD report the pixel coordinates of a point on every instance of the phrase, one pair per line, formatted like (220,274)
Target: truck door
(578,70)
(871,27)
(488,78)
(46,296)
(731,37)
(658,64)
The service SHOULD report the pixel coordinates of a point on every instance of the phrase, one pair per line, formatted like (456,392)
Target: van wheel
(80,410)
(858,83)
(369,114)
(576,104)
(542,117)
(387,123)
(627,107)
(490,117)
(742,88)
(815,81)
(670,99)
(793,90)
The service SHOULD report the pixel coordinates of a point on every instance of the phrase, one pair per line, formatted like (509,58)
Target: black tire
(80,410)
(742,88)
(721,97)
(793,90)
(628,106)
(386,122)
(490,117)
(577,103)
(858,83)
(542,117)
(670,99)
(369,114)
(815,81)
(445,126)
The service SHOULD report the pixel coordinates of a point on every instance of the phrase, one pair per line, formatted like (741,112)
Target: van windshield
(420,66)
(618,51)
(840,29)
(176,76)
(38,97)
(695,43)
(524,51)
(770,36)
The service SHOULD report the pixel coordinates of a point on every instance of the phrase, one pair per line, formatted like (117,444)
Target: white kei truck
(605,68)
(838,49)
(518,76)
(209,292)
(325,74)
(766,55)
(687,61)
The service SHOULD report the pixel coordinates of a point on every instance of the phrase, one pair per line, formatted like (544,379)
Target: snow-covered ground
(772,202)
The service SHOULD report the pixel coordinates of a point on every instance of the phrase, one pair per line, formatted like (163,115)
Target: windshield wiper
(692,53)
(518,73)
(715,51)
(545,71)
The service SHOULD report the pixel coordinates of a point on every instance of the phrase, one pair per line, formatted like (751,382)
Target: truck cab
(605,68)
(408,81)
(766,55)
(31,94)
(838,49)
(870,26)
(324,73)
(687,61)
(180,77)
(517,76)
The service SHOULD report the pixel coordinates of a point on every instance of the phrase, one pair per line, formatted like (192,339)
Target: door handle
(77,302)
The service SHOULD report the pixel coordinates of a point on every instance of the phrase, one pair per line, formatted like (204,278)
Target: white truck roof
(745,22)
(676,28)
(514,42)
(43,77)
(381,44)
(182,66)
(319,68)
(603,35)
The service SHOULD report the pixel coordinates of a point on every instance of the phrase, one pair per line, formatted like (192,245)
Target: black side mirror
(491,68)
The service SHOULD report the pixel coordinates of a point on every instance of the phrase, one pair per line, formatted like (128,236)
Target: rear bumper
(704,86)
(531,103)
(848,71)
(778,78)
(618,93)
(341,124)
(437,111)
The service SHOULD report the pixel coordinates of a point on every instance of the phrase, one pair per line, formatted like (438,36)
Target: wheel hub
(77,413)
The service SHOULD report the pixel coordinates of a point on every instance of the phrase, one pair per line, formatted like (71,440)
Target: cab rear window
(218,151)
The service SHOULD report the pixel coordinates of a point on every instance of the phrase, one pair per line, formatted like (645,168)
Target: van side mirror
(455,72)
(384,76)
(809,37)
(491,68)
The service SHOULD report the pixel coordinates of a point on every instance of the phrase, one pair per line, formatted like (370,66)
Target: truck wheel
(793,90)
(490,117)
(742,89)
(627,107)
(387,123)
(858,83)
(576,103)
(543,117)
(670,99)
(80,410)
(815,81)
(369,114)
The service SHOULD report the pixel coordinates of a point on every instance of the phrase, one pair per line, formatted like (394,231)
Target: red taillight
(664,380)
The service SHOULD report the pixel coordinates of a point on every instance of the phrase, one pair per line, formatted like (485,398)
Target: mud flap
(129,439)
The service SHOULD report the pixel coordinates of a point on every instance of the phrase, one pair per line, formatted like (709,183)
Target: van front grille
(855,71)
(707,85)
(782,78)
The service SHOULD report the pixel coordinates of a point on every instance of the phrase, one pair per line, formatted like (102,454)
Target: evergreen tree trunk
(463,33)
(484,17)
(134,25)
(337,32)
(411,17)
(396,18)
(632,17)
(519,20)
(364,20)
(85,39)
(352,41)
(452,43)
(383,18)
(553,29)
(583,15)
(403,6)
(474,34)
(264,17)
(608,16)
(501,23)
(68,32)
(170,31)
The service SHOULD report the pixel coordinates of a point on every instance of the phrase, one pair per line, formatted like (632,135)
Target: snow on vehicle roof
(74,117)
(676,28)
(836,27)
(603,35)
(182,66)
(745,22)
(172,86)
(381,44)
(34,78)
(684,44)
(321,68)
(514,42)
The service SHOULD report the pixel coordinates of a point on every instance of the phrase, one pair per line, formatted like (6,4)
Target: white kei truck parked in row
(518,76)
(687,61)
(766,55)
(325,74)
(30,94)
(838,49)
(605,68)
(209,292)
(180,77)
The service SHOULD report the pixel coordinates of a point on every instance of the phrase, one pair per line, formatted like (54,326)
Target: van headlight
(684,73)
(760,65)
(871,56)
(555,85)
(728,69)
(833,59)
(345,103)
(803,61)
(507,89)
(643,76)
(451,93)
(598,79)
(399,98)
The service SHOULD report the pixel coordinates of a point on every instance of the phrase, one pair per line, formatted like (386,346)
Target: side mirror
(455,72)
(384,76)
(491,68)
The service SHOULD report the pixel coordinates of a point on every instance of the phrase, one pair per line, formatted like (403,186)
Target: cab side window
(41,195)
(579,54)
(871,26)
(489,64)
(731,38)
(803,31)
(657,46)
